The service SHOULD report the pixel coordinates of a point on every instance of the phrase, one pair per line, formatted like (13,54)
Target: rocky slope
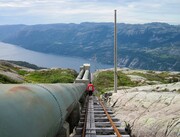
(149,108)
(153,46)
(148,112)
(23,72)
(9,74)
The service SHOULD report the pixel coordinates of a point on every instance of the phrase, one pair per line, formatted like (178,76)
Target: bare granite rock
(13,76)
(150,113)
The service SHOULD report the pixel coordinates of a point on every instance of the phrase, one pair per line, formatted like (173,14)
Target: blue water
(13,52)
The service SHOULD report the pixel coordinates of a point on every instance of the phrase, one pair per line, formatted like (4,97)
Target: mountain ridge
(154,46)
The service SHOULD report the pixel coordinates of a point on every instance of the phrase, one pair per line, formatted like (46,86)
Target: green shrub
(22,72)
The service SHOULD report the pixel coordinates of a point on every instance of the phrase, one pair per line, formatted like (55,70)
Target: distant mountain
(154,46)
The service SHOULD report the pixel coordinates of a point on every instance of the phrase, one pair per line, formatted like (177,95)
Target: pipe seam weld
(56,102)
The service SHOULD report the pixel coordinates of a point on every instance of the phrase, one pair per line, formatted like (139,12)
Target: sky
(76,11)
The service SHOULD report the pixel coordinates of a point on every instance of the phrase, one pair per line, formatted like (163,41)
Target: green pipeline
(36,110)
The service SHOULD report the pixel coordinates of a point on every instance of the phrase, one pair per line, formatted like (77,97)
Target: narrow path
(98,121)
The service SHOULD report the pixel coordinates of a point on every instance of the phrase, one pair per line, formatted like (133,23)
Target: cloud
(151,11)
(76,11)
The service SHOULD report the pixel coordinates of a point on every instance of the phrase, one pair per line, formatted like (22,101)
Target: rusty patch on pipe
(19,88)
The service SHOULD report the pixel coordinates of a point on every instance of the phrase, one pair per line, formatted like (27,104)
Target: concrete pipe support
(81,73)
(86,75)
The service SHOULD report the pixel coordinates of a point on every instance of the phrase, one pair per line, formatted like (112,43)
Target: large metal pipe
(29,110)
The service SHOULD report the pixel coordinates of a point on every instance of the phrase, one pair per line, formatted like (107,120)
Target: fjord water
(13,52)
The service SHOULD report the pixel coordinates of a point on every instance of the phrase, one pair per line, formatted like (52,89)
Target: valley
(151,46)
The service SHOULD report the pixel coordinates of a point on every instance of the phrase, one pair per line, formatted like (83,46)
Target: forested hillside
(154,46)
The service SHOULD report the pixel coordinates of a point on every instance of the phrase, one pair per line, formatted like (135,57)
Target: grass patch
(51,76)
(22,72)
(105,81)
